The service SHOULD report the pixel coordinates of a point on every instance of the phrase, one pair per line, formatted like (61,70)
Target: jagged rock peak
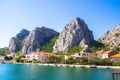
(14,45)
(23,33)
(112,37)
(36,38)
(79,22)
(76,33)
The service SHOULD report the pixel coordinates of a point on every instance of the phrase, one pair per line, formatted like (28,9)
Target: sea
(38,72)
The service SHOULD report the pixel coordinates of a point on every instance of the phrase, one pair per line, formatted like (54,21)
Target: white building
(81,55)
(41,56)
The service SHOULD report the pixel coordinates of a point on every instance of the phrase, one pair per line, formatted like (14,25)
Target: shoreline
(72,65)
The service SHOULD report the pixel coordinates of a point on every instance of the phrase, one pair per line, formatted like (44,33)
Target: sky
(99,15)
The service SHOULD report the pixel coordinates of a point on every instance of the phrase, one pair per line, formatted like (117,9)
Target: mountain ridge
(75,33)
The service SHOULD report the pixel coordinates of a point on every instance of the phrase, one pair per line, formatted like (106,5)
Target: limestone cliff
(36,38)
(76,33)
(112,38)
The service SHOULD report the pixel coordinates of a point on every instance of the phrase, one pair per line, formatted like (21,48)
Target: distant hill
(27,42)
(16,43)
(112,38)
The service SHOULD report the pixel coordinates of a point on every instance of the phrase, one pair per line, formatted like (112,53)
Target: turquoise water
(36,72)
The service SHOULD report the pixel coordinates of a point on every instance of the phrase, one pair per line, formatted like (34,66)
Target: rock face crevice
(15,43)
(112,38)
(76,33)
(36,38)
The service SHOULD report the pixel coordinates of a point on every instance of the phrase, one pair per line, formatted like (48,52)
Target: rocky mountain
(15,43)
(23,33)
(76,33)
(112,38)
(36,38)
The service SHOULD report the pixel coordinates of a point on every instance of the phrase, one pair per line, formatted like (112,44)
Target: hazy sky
(100,15)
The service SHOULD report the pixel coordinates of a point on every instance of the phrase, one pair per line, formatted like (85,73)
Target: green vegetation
(19,58)
(70,61)
(54,59)
(60,53)
(95,45)
(84,61)
(19,52)
(101,62)
(75,49)
(48,44)
(21,45)
(8,58)
(2,51)
(117,34)
(116,48)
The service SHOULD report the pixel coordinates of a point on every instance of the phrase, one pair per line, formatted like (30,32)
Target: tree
(8,58)
(2,51)
(106,61)
(48,44)
(70,61)
(75,49)
(95,45)
(19,58)
(54,59)
(60,53)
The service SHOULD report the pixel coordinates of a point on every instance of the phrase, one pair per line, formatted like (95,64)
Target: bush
(54,59)
(117,34)
(95,45)
(2,51)
(70,61)
(84,61)
(106,61)
(60,53)
(19,58)
(116,63)
(75,49)
(8,58)
(47,46)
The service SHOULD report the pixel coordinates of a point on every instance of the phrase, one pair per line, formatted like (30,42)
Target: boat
(93,66)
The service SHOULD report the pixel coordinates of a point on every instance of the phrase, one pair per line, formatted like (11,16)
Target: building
(67,57)
(97,55)
(81,55)
(107,54)
(40,56)
(1,58)
(31,56)
(115,57)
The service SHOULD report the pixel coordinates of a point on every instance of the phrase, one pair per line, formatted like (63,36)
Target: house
(1,57)
(97,55)
(40,56)
(12,55)
(81,55)
(107,54)
(31,56)
(67,57)
(115,57)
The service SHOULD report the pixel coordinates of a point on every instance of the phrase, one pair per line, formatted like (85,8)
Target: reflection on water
(36,72)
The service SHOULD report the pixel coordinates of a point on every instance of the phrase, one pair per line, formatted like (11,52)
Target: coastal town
(74,45)
(86,58)
(59,40)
